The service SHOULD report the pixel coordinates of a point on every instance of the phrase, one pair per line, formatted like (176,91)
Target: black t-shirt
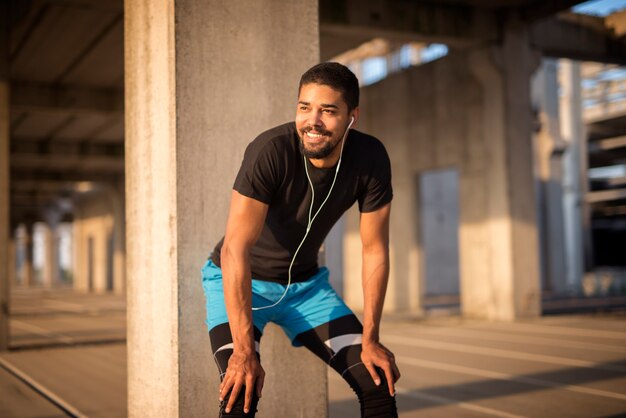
(273,172)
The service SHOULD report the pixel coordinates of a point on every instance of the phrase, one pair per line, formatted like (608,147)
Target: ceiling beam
(582,38)
(31,154)
(617,22)
(544,8)
(345,24)
(607,144)
(33,202)
(64,175)
(353,22)
(606,195)
(18,185)
(33,196)
(115,23)
(57,147)
(107,164)
(108,5)
(33,96)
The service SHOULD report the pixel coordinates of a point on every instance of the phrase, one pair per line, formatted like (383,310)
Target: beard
(323,150)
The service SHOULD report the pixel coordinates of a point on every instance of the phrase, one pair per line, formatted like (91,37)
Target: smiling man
(295,182)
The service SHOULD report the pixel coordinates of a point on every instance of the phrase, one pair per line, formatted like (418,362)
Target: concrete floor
(69,357)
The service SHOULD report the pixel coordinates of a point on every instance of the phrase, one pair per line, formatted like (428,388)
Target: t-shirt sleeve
(377,191)
(258,176)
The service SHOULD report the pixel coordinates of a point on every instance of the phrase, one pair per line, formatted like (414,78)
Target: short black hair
(337,76)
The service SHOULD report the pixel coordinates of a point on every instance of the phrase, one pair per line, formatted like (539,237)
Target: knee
(378,403)
(237,409)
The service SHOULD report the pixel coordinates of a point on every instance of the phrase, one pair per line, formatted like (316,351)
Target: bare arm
(245,223)
(375,238)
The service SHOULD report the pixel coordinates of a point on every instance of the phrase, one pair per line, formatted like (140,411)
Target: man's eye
(329,111)
(303,108)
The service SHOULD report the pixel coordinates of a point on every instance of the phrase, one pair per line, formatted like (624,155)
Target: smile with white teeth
(314,136)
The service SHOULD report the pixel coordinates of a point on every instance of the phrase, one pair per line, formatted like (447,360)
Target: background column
(80,251)
(549,149)
(4,178)
(574,214)
(12,257)
(100,228)
(28,268)
(203,78)
(51,258)
(119,237)
(500,277)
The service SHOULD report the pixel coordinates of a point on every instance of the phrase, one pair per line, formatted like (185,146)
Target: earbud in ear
(352,121)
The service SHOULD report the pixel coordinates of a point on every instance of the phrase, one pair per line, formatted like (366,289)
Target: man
(295,182)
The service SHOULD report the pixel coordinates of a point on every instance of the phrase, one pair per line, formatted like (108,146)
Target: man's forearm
(375,278)
(238,299)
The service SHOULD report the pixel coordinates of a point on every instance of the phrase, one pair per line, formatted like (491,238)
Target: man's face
(321,120)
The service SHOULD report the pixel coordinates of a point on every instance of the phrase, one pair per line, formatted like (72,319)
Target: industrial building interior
(67,166)
(67,151)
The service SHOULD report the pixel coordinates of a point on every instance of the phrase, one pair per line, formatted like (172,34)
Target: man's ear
(355,115)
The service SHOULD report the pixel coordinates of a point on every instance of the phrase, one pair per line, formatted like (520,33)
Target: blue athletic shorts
(306,305)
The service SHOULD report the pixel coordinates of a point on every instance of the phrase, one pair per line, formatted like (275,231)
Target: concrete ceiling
(67,103)
(345,24)
(66,74)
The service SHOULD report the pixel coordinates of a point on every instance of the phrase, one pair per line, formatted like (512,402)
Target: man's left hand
(377,355)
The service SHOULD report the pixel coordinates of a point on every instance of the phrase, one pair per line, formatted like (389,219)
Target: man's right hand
(244,368)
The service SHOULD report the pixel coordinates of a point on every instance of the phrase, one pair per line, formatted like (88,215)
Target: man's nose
(315,118)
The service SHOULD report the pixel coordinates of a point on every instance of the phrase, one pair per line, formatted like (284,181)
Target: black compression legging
(338,344)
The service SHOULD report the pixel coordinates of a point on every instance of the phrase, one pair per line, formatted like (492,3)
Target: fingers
(396,372)
(390,380)
(225,386)
(394,366)
(259,383)
(391,372)
(375,377)
(236,383)
(378,356)
(233,395)
(249,392)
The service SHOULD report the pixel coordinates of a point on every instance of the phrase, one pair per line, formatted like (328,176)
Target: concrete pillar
(51,273)
(4,178)
(93,227)
(80,273)
(574,183)
(119,238)
(203,78)
(11,262)
(549,149)
(28,269)
(498,236)
(100,230)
